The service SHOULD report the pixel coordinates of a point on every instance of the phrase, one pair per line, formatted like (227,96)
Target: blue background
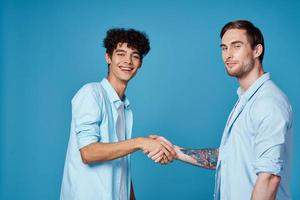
(49,49)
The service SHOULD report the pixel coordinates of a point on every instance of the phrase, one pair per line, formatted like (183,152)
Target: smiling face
(123,63)
(237,53)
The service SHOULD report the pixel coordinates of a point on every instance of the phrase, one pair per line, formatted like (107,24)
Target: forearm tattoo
(206,158)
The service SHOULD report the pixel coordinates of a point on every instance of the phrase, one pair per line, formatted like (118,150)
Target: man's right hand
(158,150)
(161,156)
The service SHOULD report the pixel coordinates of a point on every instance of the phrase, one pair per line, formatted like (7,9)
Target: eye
(121,54)
(224,48)
(237,46)
(136,56)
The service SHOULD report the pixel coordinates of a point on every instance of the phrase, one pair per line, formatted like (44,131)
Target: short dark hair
(254,35)
(134,39)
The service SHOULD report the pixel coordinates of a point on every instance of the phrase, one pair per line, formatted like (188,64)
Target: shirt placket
(223,194)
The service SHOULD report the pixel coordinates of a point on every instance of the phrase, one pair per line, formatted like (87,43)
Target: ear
(141,63)
(258,50)
(107,58)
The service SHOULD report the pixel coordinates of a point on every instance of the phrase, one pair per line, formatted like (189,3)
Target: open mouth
(126,68)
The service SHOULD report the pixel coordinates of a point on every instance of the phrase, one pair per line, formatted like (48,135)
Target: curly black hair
(134,39)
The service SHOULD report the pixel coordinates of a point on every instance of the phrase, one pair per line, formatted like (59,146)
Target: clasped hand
(159,149)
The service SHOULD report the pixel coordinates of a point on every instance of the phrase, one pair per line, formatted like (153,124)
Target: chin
(125,79)
(128,77)
(232,73)
(124,76)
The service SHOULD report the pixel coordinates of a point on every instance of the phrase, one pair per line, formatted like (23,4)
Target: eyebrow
(237,42)
(120,50)
(123,51)
(232,43)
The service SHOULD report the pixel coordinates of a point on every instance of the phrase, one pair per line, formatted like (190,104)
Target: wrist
(178,151)
(139,143)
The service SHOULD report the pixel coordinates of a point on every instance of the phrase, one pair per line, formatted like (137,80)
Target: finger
(153,136)
(162,162)
(165,140)
(167,154)
(165,160)
(152,153)
(158,159)
(146,151)
(168,147)
(172,152)
(159,154)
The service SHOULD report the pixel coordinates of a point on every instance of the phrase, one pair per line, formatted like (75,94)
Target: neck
(248,79)
(119,86)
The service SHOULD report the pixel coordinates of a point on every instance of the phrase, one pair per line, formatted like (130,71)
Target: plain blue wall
(49,49)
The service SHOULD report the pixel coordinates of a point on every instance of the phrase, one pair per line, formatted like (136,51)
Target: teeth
(126,68)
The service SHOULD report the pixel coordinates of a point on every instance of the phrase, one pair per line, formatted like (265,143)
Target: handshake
(159,149)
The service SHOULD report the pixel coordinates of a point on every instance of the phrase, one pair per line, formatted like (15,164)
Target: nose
(128,59)
(228,54)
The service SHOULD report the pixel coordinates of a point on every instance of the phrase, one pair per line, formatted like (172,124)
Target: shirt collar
(112,94)
(254,87)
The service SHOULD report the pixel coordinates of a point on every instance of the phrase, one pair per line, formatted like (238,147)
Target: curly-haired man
(97,164)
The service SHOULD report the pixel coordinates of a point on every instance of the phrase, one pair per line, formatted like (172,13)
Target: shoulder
(90,91)
(270,101)
(271,95)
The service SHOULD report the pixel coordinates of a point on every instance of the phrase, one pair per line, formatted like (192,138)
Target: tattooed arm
(205,158)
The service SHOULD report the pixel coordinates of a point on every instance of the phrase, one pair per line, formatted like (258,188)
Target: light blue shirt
(94,119)
(257,138)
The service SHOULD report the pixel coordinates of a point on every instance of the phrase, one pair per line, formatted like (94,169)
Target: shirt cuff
(86,140)
(268,165)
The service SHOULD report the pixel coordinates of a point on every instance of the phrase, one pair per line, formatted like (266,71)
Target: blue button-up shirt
(257,138)
(94,119)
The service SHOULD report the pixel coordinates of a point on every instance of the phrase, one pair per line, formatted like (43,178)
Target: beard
(240,71)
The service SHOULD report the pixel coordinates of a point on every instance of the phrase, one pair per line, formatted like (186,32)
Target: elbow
(275,181)
(86,161)
(271,180)
(85,156)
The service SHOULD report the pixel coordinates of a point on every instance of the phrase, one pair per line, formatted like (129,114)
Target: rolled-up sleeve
(86,115)
(271,119)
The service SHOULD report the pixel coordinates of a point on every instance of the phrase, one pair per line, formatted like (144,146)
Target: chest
(238,139)
(116,124)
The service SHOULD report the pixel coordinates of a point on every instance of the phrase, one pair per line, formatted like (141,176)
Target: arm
(99,152)
(266,187)
(205,158)
(87,106)
(271,146)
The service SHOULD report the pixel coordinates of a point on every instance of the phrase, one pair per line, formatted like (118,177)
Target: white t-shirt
(121,133)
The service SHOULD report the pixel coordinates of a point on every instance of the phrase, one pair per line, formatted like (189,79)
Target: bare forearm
(266,187)
(205,158)
(99,152)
